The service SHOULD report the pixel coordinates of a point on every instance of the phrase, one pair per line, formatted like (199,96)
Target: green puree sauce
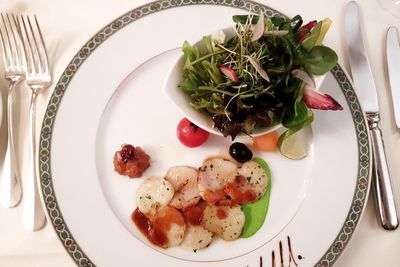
(256,212)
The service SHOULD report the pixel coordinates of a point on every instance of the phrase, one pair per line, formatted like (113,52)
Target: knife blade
(365,88)
(393,62)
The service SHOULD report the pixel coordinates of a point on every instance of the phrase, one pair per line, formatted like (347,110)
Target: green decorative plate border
(50,200)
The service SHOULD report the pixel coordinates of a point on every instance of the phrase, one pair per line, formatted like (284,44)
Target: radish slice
(304,76)
(258,29)
(277,33)
(229,72)
(304,30)
(316,100)
(258,68)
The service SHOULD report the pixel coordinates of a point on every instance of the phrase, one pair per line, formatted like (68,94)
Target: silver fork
(38,77)
(10,191)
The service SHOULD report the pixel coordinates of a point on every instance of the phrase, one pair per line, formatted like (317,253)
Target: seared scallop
(214,174)
(184,181)
(196,237)
(154,192)
(167,227)
(249,184)
(227,221)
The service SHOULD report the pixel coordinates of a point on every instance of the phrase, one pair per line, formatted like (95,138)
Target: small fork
(38,77)
(10,191)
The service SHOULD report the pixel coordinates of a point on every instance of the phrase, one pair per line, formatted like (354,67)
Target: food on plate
(190,134)
(131,161)
(190,206)
(153,193)
(240,152)
(255,212)
(249,185)
(165,228)
(196,237)
(225,220)
(293,148)
(261,76)
(214,174)
(184,181)
(170,222)
(267,142)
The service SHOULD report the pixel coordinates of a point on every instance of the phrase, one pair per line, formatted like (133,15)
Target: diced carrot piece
(267,142)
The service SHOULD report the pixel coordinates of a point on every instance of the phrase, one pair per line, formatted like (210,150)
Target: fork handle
(10,190)
(33,214)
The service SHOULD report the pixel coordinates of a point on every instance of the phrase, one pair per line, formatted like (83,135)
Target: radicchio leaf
(304,30)
(317,100)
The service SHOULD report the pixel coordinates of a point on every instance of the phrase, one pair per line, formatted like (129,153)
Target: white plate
(112,94)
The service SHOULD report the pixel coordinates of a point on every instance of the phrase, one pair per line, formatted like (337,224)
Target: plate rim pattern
(46,185)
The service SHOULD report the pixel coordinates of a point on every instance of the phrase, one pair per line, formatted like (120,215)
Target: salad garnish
(260,77)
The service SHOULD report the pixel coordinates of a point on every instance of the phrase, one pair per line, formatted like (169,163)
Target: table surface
(67,25)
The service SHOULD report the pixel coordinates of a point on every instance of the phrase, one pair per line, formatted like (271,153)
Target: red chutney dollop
(240,191)
(131,161)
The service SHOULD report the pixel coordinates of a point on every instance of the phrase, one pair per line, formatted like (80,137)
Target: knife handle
(384,195)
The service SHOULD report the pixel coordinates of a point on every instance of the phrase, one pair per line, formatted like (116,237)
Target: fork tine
(36,46)
(30,64)
(44,50)
(10,51)
(4,48)
(20,51)
(16,42)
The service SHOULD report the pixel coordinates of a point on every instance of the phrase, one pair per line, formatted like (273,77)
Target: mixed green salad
(260,77)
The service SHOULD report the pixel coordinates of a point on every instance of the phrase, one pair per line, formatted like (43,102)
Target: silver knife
(393,62)
(365,87)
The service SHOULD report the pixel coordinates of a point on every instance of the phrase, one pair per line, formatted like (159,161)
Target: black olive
(240,152)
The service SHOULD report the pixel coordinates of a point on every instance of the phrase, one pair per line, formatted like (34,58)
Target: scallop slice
(256,177)
(168,227)
(214,174)
(196,237)
(154,192)
(184,181)
(226,221)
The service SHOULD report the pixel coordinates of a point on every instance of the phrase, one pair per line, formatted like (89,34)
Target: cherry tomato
(190,134)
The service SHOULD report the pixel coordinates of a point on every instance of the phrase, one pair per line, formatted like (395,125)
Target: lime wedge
(326,24)
(293,147)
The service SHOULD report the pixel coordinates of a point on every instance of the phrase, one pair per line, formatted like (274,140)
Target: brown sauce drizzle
(291,257)
(193,214)
(156,230)
(153,234)
(221,213)
(281,253)
(239,190)
(290,252)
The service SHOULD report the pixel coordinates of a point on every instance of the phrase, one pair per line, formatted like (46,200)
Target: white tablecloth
(68,24)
